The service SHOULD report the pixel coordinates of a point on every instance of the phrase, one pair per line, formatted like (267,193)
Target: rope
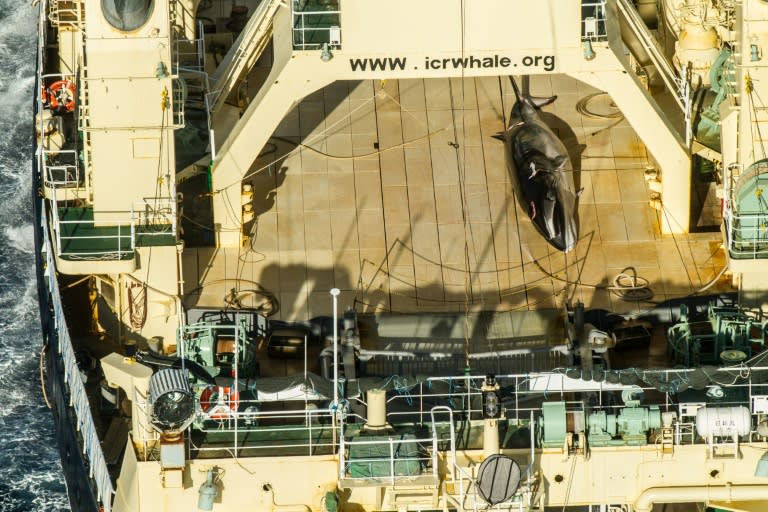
(43,350)
(137,304)
(750,91)
(461,158)
(570,481)
(631,287)
(669,218)
(583,109)
(258,290)
(367,155)
(400,384)
(299,145)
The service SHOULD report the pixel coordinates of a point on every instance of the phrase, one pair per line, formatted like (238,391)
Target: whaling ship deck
(309,174)
(396,193)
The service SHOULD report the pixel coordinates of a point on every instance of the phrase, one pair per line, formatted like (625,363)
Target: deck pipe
(699,493)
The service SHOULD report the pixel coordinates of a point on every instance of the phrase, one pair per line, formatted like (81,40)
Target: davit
(544,172)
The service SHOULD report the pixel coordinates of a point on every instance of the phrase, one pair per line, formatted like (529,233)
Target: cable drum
(498,479)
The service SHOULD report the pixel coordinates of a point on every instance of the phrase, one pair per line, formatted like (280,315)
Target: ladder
(244,53)
(67,13)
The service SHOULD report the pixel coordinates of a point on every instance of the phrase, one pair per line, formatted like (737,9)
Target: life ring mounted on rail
(60,96)
(219,402)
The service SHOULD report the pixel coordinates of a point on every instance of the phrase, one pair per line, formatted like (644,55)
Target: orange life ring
(60,96)
(219,402)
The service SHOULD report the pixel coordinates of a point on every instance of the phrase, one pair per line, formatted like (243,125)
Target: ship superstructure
(284,263)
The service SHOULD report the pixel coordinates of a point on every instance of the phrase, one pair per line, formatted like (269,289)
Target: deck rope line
(298,147)
(460,154)
(668,215)
(137,304)
(372,153)
(754,125)
(43,351)
(570,482)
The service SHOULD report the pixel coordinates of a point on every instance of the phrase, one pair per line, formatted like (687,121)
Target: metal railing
(746,234)
(558,386)
(150,218)
(63,175)
(731,176)
(243,54)
(154,217)
(458,474)
(201,89)
(593,19)
(299,431)
(147,435)
(641,32)
(66,162)
(60,167)
(183,19)
(125,236)
(178,102)
(312,29)
(78,397)
(67,11)
(398,467)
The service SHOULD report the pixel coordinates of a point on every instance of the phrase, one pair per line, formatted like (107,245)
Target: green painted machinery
(728,336)
(552,427)
(216,346)
(629,427)
(631,424)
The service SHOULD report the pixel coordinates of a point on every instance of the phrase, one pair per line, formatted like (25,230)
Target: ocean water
(30,471)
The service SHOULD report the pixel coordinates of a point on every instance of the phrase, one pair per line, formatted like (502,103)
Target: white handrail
(78,397)
(248,47)
(644,36)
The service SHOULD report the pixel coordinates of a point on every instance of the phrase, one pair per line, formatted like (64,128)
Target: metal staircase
(643,47)
(67,13)
(244,53)
(73,175)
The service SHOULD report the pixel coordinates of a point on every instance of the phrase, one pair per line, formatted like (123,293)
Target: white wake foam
(21,238)
(30,473)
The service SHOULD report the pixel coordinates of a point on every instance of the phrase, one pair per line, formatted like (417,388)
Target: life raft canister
(60,96)
(219,402)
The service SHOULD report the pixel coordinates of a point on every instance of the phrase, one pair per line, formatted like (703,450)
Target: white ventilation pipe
(699,493)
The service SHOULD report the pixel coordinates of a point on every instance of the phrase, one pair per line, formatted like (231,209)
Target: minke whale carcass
(544,171)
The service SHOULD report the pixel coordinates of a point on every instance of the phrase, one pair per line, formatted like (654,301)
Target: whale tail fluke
(535,101)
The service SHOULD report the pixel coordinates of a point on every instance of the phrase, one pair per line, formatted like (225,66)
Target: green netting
(376,460)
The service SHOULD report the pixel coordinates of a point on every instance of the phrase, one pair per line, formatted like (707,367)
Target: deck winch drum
(723,421)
